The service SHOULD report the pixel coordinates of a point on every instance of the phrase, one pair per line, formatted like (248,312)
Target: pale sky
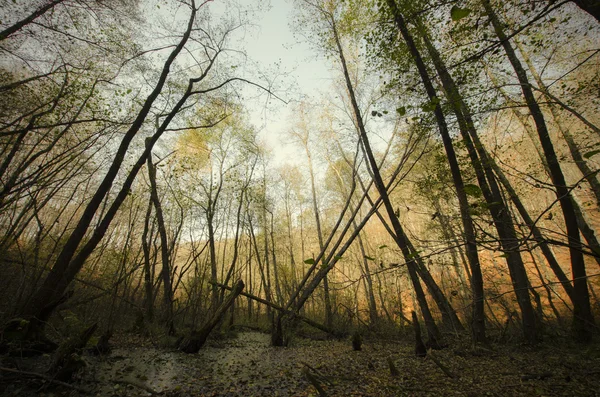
(303,72)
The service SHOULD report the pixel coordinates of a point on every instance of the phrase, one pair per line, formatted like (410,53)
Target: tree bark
(164,246)
(491,192)
(592,7)
(148,274)
(196,340)
(432,329)
(583,320)
(477,312)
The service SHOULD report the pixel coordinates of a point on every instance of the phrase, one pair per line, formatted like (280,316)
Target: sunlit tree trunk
(433,332)
(304,138)
(589,175)
(477,313)
(148,276)
(582,317)
(537,234)
(497,206)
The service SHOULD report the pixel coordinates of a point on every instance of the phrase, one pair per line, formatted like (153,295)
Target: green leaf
(309,261)
(337,257)
(413,255)
(431,105)
(401,110)
(457,13)
(590,154)
(382,246)
(369,258)
(472,190)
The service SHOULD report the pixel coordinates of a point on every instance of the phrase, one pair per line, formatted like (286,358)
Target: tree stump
(66,361)
(357,341)
(420,350)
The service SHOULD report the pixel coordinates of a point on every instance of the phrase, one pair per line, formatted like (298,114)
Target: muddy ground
(248,366)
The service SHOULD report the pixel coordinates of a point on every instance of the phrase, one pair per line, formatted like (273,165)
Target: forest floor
(248,366)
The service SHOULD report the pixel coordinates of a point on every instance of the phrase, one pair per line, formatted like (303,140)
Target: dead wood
(357,341)
(65,361)
(313,380)
(275,306)
(317,373)
(102,347)
(393,370)
(44,377)
(196,340)
(441,366)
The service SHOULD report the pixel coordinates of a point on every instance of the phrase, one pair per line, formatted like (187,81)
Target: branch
(238,79)
(46,378)
(37,13)
(197,127)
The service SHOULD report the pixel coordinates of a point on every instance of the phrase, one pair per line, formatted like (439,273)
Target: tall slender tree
(582,315)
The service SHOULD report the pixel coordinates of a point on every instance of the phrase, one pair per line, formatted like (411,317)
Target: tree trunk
(326,298)
(589,175)
(67,264)
(477,312)
(280,309)
(496,204)
(592,7)
(583,320)
(213,255)
(148,275)
(196,340)
(164,247)
(432,329)
(537,234)
(368,282)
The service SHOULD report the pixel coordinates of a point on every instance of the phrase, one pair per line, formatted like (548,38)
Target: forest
(430,231)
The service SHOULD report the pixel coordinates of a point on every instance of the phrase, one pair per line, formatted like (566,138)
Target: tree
(478,317)
(213,156)
(164,247)
(582,315)
(302,131)
(75,251)
(327,14)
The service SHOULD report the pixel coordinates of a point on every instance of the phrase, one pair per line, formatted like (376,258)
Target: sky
(303,72)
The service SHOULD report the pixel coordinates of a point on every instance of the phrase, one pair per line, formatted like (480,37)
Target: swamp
(299,198)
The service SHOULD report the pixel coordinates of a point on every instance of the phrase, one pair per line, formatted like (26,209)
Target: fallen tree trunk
(275,306)
(196,340)
(44,377)
(66,360)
